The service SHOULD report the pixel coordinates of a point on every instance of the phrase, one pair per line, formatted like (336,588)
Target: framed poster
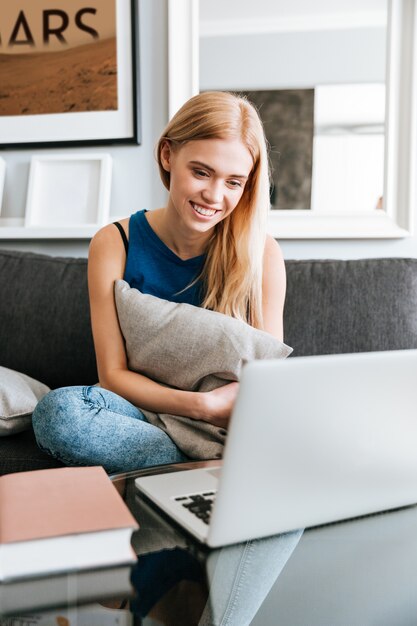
(68,75)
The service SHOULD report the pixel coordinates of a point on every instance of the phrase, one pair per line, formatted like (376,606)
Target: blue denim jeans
(93,426)
(240,577)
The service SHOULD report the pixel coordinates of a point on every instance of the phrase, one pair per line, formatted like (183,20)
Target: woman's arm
(273,289)
(106,263)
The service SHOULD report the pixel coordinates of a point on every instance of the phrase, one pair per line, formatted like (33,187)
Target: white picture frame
(2,179)
(68,191)
(400,171)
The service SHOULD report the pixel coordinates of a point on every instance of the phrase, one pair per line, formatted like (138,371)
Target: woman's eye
(200,173)
(235,183)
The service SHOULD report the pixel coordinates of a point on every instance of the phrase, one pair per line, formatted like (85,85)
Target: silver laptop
(312,440)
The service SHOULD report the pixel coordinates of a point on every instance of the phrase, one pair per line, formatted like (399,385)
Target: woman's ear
(165,156)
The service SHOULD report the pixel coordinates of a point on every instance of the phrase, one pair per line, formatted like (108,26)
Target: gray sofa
(332,306)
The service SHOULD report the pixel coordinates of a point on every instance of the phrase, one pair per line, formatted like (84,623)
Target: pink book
(61,520)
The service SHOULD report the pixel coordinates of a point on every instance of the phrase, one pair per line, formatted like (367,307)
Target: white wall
(135,182)
(292,60)
(349,249)
(135,179)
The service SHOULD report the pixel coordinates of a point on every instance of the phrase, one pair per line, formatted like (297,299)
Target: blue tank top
(154,269)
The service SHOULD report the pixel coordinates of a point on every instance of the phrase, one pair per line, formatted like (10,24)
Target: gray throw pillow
(19,394)
(189,348)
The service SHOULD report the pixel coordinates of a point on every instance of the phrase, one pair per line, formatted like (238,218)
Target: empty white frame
(69,191)
(2,178)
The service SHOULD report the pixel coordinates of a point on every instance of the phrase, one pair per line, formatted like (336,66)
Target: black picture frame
(89,128)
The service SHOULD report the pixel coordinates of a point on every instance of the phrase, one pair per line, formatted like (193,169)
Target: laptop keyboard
(199,504)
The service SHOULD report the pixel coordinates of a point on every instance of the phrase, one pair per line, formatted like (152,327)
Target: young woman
(208,247)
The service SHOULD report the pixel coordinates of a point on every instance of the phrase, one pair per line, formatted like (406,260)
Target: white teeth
(202,211)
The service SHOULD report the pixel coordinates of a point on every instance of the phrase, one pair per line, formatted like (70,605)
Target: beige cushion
(19,394)
(189,348)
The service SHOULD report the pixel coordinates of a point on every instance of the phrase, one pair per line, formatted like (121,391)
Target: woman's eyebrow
(210,169)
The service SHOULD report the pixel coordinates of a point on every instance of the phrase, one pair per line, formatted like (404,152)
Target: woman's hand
(218,404)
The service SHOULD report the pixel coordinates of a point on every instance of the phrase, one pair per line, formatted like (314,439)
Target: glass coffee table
(355,573)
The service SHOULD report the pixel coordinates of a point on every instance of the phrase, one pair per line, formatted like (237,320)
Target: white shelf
(14,228)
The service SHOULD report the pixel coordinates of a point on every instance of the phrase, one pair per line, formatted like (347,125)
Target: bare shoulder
(273,253)
(272,246)
(106,256)
(274,275)
(108,235)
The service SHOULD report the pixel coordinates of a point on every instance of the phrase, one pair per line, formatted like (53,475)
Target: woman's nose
(213,192)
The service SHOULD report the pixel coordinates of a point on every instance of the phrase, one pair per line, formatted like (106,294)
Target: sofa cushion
(189,348)
(45,321)
(361,305)
(19,394)
(20,453)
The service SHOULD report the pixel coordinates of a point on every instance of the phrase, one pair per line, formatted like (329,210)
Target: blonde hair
(232,273)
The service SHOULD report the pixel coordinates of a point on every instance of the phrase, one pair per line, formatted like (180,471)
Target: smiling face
(207,180)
